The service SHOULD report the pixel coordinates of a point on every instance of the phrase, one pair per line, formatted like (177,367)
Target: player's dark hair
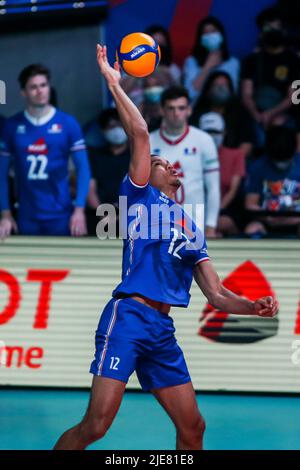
(267,16)
(281,143)
(108,115)
(31,71)
(173,93)
(167,54)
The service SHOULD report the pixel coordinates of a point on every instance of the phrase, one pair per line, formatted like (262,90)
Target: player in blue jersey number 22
(135,331)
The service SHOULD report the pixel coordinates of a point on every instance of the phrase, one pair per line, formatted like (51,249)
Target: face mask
(211,41)
(153,94)
(116,136)
(217,138)
(284,165)
(220,95)
(273,37)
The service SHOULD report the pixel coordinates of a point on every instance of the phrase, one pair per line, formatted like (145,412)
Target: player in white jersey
(192,152)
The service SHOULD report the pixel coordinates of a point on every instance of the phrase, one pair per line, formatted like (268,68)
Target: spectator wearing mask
(38,142)
(232,172)
(109,163)
(193,154)
(273,185)
(267,76)
(210,53)
(162,37)
(218,96)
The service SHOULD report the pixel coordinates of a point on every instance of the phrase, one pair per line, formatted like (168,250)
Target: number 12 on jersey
(171,249)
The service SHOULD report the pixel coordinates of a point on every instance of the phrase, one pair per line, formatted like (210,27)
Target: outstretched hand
(266,307)
(111,74)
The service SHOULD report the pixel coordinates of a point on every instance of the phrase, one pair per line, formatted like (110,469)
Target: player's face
(176,112)
(163,174)
(37,91)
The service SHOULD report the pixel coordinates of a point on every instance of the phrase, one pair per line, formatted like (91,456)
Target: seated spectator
(218,96)
(273,185)
(232,171)
(162,37)
(109,164)
(210,53)
(37,142)
(267,76)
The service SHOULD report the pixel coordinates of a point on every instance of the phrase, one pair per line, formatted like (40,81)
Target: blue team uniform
(131,336)
(39,155)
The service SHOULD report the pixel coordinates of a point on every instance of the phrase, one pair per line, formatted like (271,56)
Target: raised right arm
(133,122)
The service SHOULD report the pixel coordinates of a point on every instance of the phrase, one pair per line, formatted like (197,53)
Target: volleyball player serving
(135,331)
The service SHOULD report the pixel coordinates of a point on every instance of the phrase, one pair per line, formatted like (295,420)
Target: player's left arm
(83,176)
(212,186)
(225,300)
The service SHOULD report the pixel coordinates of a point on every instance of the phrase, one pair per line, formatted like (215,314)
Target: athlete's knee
(94,428)
(193,432)
(199,427)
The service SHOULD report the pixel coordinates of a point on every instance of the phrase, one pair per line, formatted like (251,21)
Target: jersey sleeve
(201,255)
(210,155)
(5,140)
(76,140)
(5,154)
(133,191)
(197,247)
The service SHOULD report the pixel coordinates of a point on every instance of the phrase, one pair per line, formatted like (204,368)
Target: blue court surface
(34,419)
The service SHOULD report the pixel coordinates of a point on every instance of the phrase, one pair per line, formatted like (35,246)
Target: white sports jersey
(194,155)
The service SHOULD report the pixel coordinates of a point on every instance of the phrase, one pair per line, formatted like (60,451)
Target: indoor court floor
(34,419)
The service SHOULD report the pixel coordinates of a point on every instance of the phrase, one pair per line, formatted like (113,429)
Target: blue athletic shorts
(134,337)
(55,227)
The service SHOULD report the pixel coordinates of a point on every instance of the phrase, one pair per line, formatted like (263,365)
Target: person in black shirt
(218,96)
(109,164)
(267,76)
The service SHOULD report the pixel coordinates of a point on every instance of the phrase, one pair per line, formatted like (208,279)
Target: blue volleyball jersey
(159,252)
(40,157)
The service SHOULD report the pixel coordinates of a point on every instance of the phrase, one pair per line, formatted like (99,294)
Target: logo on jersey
(247,281)
(39,147)
(188,151)
(55,129)
(21,129)
(156,152)
(164,198)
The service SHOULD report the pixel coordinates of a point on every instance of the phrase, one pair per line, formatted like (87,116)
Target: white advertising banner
(53,290)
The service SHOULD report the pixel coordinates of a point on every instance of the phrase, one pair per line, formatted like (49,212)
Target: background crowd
(231,129)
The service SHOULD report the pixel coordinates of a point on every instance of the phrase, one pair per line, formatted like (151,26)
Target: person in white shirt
(193,154)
